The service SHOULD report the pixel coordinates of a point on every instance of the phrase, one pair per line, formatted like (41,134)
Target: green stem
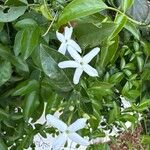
(130,19)
(70,118)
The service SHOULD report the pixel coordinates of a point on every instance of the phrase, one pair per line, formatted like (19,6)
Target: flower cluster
(67,132)
(80,63)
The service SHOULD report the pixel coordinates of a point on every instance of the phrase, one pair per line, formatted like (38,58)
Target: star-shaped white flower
(81,64)
(66,41)
(67,132)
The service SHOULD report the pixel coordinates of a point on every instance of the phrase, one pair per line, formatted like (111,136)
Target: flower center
(81,63)
(67,131)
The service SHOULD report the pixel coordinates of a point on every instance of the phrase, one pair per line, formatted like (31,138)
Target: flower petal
(55,122)
(128,124)
(125,103)
(78,139)
(60,37)
(90,70)
(68,32)
(59,142)
(73,44)
(77,75)
(62,49)
(88,57)
(77,125)
(74,54)
(68,64)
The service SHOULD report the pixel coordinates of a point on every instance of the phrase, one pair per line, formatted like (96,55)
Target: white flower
(66,41)
(81,64)
(67,132)
(125,103)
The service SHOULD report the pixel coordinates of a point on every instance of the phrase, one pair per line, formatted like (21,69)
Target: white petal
(74,54)
(68,64)
(73,44)
(103,139)
(59,142)
(60,37)
(88,57)
(77,125)
(125,103)
(68,32)
(55,122)
(90,70)
(78,139)
(128,124)
(77,75)
(62,49)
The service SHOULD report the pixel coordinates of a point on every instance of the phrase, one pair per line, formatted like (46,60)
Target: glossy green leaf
(116,78)
(26,87)
(140,63)
(80,8)
(25,23)
(5,72)
(45,12)
(108,53)
(16,61)
(56,76)
(26,40)
(2,145)
(145,104)
(120,20)
(133,29)
(31,103)
(12,14)
(100,89)
(89,35)
(126,4)
(114,113)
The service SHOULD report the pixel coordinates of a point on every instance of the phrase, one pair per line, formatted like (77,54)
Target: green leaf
(2,145)
(128,117)
(120,20)
(53,103)
(140,63)
(31,103)
(16,61)
(116,78)
(26,40)
(108,52)
(114,113)
(133,29)
(15,3)
(28,22)
(126,4)
(5,72)
(146,74)
(80,8)
(132,94)
(100,89)
(45,12)
(89,35)
(146,45)
(12,14)
(145,104)
(26,87)
(56,76)
(145,139)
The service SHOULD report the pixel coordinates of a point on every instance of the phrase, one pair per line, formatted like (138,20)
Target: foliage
(30,76)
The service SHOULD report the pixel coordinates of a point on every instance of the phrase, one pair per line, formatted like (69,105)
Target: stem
(70,118)
(130,19)
(50,25)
